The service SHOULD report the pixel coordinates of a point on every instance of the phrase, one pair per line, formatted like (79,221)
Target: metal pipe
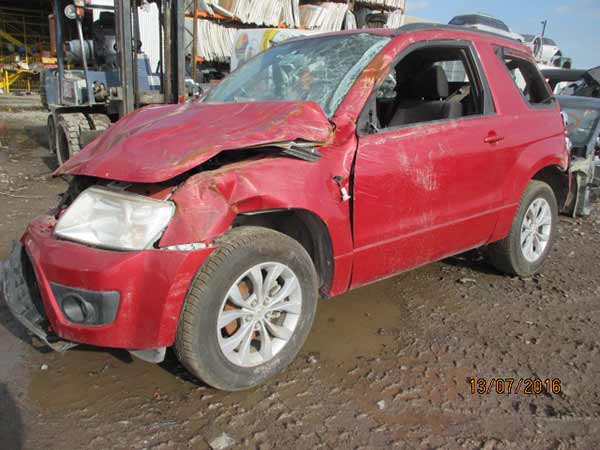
(136,42)
(101,7)
(179,50)
(168,52)
(161,47)
(124,36)
(86,72)
(60,57)
(195,43)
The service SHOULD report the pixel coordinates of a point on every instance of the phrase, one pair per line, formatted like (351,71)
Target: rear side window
(527,78)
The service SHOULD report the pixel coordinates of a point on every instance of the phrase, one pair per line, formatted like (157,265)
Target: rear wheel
(532,234)
(68,129)
(248,310)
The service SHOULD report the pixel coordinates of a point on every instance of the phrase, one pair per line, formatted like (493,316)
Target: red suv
(322,164)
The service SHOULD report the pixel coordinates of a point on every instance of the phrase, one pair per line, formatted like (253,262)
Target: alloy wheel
(536,229)
(259,314)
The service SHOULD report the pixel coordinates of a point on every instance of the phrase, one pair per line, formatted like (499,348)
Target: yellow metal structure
(13,40)
(19,79)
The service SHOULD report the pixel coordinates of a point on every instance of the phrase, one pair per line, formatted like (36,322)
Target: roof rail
(423,26)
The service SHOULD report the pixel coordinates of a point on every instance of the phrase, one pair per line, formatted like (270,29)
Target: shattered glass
(318,69)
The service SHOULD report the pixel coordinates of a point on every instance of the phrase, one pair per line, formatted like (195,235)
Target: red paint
(157,143)
(420,193)
(426,184)
(152,285)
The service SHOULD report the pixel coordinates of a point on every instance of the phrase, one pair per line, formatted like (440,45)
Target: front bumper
(151,285)
(23,300)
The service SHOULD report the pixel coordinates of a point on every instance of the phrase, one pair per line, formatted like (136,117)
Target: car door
(426,190)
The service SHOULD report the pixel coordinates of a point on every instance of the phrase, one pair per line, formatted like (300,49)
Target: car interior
(430,84)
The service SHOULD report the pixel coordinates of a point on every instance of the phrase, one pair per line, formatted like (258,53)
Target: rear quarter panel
(534,137)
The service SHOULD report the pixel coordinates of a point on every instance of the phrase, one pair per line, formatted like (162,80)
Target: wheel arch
(304,226)
(558,180)
(550,172)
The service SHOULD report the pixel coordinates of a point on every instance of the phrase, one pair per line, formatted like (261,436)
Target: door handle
(493,138)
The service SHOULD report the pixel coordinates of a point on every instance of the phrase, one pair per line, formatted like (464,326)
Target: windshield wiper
(303,150)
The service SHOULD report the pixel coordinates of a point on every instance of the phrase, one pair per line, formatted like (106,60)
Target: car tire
(523,251)
(247,257)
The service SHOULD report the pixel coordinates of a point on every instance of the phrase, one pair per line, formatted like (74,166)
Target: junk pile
(219,21)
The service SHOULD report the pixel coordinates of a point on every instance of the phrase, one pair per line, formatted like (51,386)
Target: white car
(487,23)
(546,52)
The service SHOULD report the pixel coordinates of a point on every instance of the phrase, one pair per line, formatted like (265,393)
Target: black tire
(100,122)
(51,131)
(506,255)
(196,343)
(68,129)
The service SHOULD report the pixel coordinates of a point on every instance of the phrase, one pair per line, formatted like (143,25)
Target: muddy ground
(386,366)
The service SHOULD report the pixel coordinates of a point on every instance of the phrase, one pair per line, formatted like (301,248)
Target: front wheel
(532,234)
(248,310)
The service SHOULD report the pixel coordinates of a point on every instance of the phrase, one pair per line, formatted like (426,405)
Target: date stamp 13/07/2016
(508,386)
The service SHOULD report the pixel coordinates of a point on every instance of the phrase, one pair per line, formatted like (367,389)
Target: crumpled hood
(157,143)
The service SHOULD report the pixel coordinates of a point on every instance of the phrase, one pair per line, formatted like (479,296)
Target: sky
(573,24)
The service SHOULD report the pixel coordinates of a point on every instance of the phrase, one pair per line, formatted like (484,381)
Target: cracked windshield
(321,70)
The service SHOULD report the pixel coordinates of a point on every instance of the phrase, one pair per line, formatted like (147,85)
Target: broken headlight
(115,220)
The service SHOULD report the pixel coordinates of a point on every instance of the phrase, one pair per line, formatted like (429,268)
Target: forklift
(102,74)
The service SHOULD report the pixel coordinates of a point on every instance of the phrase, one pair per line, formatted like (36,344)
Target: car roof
(572,101)
(472,33)
(414,27)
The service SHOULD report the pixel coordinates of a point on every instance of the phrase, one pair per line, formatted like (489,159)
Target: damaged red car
(322,164)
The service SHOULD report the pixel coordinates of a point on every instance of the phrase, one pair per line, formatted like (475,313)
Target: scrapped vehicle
(581,83)
(320,165)
(546,51)
(583,128)
(485,22)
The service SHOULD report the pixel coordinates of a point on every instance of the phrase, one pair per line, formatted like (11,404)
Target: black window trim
(501,52)
(476,75)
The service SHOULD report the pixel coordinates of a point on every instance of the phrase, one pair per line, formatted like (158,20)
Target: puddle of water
(83,376)
(358,323)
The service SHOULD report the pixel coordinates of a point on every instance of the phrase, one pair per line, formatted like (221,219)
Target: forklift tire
(51,131)
(68,129)
(43,96)
(100,122)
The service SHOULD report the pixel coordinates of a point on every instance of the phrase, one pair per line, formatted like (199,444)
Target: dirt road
(386,366)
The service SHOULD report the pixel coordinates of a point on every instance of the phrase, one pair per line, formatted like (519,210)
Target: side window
(527,78)
(430,84)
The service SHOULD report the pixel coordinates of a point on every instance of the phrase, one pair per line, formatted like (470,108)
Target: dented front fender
(208,202)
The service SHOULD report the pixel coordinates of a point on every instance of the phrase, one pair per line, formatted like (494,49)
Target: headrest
(430,84)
